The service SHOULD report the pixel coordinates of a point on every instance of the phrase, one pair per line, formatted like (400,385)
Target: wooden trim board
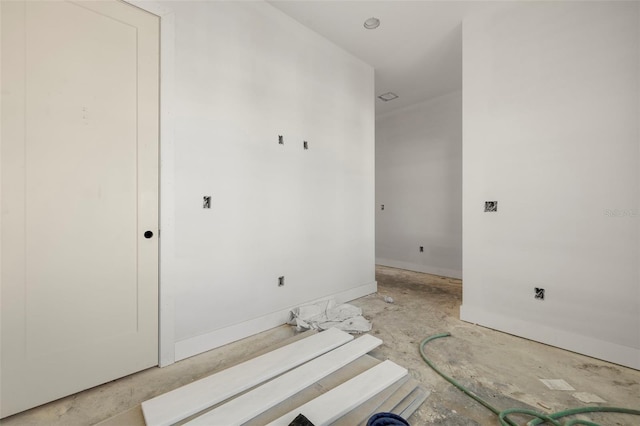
(205,342)
(337,402)
(364,411)
(395,399)
(190,399)
(247,406)
(420,395)
(324,385)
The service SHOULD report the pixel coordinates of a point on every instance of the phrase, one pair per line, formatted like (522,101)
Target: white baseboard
(607,351)
(433,270)
(205,342)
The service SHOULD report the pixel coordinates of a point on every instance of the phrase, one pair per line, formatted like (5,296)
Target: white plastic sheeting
(324,315)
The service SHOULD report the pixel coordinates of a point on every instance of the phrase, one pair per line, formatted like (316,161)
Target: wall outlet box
(490,206)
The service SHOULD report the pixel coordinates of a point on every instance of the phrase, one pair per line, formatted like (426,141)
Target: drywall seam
(195,345)
(434,270)
(612,352)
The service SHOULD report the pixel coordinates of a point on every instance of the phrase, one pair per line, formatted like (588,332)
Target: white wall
(551,112)
(419,181)
(244,74)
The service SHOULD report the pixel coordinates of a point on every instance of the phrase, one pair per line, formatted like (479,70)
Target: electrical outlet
(305,144)
(281,139)
(539,293)
(381,206)
(490,206)
(206,202)
(281,281)
(421,249)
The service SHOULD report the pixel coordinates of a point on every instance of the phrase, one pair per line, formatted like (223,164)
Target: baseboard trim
(205,342)
(433,270)
(607,351)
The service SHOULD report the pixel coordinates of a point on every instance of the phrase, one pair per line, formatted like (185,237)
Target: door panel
(79,189)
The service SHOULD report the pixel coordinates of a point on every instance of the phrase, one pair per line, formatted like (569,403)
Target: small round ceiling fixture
(372,23)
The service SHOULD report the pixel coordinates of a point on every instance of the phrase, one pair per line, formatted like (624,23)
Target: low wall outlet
(539,293)
(281,281)
(305,145)
(206,202)
(281,139)
(381,206)
(490,206)
(421,249)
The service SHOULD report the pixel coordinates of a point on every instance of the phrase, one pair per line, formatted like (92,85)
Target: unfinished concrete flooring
(503,369)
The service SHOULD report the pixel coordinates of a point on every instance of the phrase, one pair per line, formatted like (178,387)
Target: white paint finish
(335,403)
(638,177)
(551,131)
(249,405)
(552,335)
(419,181)
(167,176)
(216,338)
(190,399)
(416,51)
(80,282)
(427,269)
(244,74)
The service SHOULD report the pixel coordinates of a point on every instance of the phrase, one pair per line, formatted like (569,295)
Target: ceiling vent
(389,96)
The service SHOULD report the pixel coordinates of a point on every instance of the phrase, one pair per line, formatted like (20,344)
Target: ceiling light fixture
(372,23)
(389,96)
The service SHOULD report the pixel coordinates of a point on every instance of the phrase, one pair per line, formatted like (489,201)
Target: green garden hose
(539,418)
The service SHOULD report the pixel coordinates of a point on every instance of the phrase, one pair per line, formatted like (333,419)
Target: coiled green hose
(539,418)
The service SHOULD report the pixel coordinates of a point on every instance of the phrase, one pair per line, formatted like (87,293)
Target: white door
(79,189)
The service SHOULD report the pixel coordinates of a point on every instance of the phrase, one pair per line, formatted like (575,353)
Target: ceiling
(416,51)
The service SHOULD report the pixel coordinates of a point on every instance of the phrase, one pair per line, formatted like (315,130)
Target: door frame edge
(166,305)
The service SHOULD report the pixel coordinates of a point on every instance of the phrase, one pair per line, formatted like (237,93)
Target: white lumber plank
(407,387)
(347,372)
(361,413)
(171,407)
(247,406)
(334,404)
(420,397)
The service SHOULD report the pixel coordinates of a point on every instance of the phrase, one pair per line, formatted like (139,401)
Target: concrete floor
(501,368)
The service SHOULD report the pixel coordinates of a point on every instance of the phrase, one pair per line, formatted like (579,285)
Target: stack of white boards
(275,387)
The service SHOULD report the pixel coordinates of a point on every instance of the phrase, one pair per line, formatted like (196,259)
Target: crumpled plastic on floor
(324,315)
